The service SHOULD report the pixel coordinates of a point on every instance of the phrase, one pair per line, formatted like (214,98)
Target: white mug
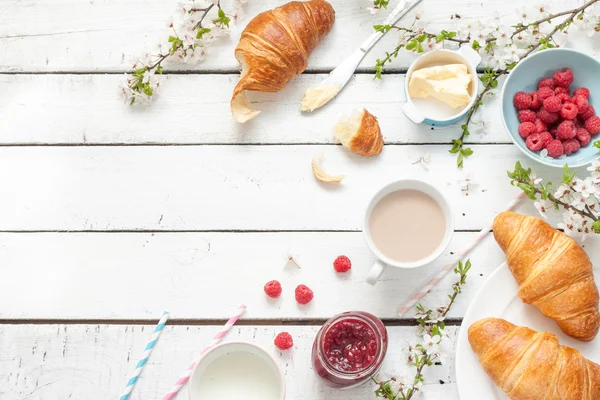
(384,261)
(273,384)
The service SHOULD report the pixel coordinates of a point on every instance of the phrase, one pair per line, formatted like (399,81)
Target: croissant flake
(322,175)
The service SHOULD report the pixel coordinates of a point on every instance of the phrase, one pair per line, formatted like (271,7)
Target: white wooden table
(110,214)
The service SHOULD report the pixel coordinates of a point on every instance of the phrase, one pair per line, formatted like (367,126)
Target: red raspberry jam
(349,349)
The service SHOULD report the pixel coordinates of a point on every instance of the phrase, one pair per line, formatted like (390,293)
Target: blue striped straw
(147,351)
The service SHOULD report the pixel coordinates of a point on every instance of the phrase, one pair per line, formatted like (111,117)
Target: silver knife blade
(317,96)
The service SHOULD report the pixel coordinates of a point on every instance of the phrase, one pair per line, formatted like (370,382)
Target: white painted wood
(92,362)
(204,275)
(194,109)
(233,187)
(106,35)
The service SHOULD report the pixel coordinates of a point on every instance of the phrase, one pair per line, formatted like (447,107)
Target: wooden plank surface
(199,276)
(86,109)
(232,187)
(106,35)
(92,362)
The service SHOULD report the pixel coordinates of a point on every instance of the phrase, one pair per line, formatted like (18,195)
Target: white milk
(238,376)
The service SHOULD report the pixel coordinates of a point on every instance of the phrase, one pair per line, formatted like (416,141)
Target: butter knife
(318,96)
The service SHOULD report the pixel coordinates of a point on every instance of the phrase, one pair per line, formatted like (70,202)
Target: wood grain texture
(232,187)
(107,35)
(86,109)
(93,362)
(200,276)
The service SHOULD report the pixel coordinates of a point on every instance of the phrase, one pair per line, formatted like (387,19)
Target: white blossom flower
(431,344)
(502,35)
(571,223)
(585,187)
(513,53)
(579,202)
(542,207)
(562,191)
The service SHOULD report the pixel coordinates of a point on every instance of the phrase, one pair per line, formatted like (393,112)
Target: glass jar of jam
(349,349)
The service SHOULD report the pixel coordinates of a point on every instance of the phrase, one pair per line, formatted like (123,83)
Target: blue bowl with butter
(441,86)
(524,78)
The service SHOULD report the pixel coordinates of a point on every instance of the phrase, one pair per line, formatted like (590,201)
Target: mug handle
(412,112)
(375,273)
(472,57)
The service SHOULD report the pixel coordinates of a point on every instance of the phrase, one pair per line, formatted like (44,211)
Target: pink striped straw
(459,256)
(219,336)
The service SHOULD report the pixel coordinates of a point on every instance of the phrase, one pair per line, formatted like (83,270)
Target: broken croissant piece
(322,175)
(360,133)
(275,47)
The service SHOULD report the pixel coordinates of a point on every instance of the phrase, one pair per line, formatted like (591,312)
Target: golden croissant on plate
(275,47)
(530,365)
(553,272)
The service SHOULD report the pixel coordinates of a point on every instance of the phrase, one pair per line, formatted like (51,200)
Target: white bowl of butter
(441,86)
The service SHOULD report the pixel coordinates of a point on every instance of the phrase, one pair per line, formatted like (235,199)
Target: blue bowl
(524,78)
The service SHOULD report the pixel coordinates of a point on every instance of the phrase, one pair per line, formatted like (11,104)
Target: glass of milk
(237,371)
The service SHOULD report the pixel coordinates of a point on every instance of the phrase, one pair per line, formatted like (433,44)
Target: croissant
(360,133)
(275,47)
(530,365)
(553,272)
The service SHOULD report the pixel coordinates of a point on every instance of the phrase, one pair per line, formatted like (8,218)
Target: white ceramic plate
(498,298)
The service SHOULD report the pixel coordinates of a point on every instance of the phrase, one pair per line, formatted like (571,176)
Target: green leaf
(420,48)
(411,45)
(422,38)
(596,226)
(451,35)
(201,32)
(476,46)
(172,39)
(159,69)
(467,152)
(459,160)
(567,175)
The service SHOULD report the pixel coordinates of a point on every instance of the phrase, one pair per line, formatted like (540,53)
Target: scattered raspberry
(303,294)
(581,102)
(526,129)
(546,82)
(593,125)
(570,146)
(522,101)
(273,289)
(544,93)
(566,130)
(585,92)
(527,116)
(555,148)
(562,90)
(547,117)
(565,98)
(540,126)
(284,341)
(569,111)
(563,78)
(588,113)
(552,104)
(343,264)
(536,103)
(535,141)
(583,136)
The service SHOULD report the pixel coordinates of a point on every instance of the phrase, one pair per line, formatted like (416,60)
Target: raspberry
(562,90)
(526,116)
(273,289)
(569,111)
(284,341)
(555,148)
(526,129)
(593,125)
(552,104)
(545,92)
(540,126)
(585,92)
(303,294)
(536,141)
(563,78)
(522,101)
(565,98)
(588,113)
(553,132)
(581,102)
(566,130)
(546,82)
(583,136)
(342,264)
(547,117)
(536,103)
(570,146)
